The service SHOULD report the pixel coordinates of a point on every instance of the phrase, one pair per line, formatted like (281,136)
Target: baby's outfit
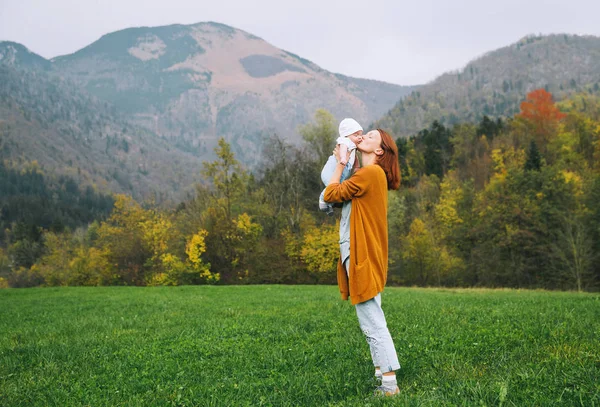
(347,128)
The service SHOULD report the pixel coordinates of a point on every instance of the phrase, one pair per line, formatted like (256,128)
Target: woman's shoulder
(369,174)
(371,170)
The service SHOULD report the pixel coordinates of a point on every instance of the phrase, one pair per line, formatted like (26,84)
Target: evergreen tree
(489,128)
(437,149)
(534,161)
(402,144)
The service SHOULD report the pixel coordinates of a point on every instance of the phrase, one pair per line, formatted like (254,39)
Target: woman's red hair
(389,160)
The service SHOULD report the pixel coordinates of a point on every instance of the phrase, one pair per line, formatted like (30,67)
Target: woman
(362,270)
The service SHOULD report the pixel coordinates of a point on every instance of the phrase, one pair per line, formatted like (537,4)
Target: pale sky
(403,42)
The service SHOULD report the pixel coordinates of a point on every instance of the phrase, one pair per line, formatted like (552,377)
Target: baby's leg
(328,169)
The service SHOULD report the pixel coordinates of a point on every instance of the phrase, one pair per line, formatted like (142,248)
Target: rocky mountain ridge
(496,83)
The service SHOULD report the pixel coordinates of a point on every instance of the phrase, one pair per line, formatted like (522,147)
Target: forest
(505,202)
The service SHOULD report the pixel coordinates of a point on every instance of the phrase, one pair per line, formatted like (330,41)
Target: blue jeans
(373,324)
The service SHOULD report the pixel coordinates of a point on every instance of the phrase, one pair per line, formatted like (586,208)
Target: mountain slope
(195,83)
(51,121)
(497,82)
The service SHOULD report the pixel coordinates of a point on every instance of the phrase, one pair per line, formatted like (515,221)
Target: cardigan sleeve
(354,186)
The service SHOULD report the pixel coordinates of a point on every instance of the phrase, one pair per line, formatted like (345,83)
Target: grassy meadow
(294,346)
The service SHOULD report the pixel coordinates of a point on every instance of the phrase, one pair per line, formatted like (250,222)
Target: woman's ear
(379,151)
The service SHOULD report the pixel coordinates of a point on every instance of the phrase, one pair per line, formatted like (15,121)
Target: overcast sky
(404,42)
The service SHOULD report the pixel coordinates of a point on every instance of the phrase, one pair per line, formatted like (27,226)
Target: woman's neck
(369,159)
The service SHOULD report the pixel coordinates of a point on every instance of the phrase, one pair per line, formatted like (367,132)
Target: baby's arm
(343,153)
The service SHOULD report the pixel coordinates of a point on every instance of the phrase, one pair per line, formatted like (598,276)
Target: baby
(350,132)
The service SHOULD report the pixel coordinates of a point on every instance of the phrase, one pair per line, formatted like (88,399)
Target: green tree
(426,260)
(574,250)
(534,160)
(438,150)
(121,237)
(232,233)
(290,181)
(490,128)
(471,154)
(320,135)
(518,215)
(403,148)
(228,179)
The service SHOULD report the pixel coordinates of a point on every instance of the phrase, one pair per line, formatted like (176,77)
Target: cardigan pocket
(358,278)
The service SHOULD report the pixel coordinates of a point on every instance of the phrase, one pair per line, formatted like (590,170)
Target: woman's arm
(353,187)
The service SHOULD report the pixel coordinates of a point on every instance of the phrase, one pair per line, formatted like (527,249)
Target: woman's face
(371,143)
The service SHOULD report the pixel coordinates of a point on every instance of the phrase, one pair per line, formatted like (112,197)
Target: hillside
(31,201)
(67,132)
(497,82)
(195,83)
(139,110)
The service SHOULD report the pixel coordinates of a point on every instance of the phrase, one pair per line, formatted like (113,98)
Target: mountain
(17,55)
(195,83)
(51,123)
(496,83)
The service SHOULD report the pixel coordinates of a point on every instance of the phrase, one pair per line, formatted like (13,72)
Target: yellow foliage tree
(4,268)
(194,249)
(121,237)
(320,248)
(293,235)
(446,210)
(90,266)
(426,259)
(54,264)
(171,272)
(242,238)
(68,262)
(175,271)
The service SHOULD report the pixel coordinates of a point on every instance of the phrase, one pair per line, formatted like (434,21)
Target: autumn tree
(542,116)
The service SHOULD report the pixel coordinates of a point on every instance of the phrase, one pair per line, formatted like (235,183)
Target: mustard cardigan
(367,188)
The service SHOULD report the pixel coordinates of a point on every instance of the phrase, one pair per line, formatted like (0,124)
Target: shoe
(326,207)
(384,391)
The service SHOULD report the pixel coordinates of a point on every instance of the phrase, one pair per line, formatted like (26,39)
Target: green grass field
(294,346)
